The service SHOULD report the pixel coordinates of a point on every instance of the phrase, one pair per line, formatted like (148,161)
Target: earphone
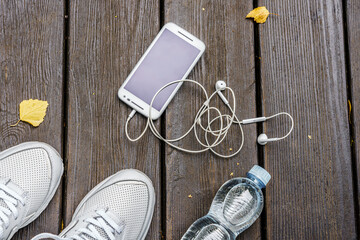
(220,86)
(262,138)
(226,121)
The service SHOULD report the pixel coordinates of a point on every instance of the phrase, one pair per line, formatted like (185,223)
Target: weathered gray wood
(303,72)
(229,56)
(107,38)
(353,27)
(31,42)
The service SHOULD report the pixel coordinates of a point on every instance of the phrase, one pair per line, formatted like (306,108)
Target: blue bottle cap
(260,174)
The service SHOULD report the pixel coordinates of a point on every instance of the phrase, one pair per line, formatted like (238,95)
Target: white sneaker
(29,176)
(120,207)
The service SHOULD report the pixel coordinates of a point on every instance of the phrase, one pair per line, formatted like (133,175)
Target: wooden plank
(353,26)
(31,42)
(107,38)
(228,37)
(303,72)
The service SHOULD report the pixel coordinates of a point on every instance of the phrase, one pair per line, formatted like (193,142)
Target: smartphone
(171,56)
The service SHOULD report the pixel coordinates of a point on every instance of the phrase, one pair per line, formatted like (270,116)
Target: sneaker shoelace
(97,227)
(9,201)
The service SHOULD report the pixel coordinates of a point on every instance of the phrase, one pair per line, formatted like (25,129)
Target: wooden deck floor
(76,54)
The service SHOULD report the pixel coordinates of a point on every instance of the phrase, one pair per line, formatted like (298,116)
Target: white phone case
(137,103)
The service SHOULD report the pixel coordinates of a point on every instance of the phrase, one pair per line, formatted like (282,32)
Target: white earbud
(263,139)
(220,86)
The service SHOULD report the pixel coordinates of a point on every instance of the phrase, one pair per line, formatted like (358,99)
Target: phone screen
(168,60)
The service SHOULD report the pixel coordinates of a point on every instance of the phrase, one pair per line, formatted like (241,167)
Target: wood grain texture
(353,27)
(107,38)
(31,41)
(228,37)
(303,73)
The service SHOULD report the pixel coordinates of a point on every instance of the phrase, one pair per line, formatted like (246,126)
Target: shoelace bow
(102,221)
(11,199)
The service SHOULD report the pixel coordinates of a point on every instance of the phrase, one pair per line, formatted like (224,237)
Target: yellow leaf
(259,14)
(32,111)
(349,111)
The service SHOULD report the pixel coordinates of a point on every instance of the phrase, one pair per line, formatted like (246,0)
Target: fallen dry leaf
(349,111)
(190,196)
(32,111)
(259,14)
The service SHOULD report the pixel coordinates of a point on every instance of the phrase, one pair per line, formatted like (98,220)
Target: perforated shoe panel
(31,170)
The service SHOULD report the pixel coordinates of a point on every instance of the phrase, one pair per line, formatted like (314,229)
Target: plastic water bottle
(236,206)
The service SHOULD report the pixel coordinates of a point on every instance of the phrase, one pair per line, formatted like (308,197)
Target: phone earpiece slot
(137,105)
(185,36)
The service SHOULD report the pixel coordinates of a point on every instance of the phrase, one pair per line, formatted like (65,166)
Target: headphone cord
(292,123)
(226,121)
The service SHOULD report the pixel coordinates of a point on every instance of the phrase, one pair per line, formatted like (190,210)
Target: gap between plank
(65,71)
(259,113)
(351,116)
(162,147)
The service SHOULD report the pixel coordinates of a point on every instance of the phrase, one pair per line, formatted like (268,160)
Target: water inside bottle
(240,202)
(236,206)
(212,232)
